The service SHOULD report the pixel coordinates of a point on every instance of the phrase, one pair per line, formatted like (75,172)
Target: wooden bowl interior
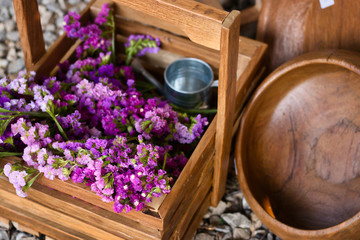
(301,146)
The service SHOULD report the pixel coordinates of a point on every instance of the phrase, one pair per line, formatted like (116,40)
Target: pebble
(74,2)
(6,3)
(16,66)
(236,220)
(45,15)
(10,25)
(215,220)
(4,235)
(241,233)
(245,205)
(223,229)
(4,14)
(13,36)
(11,55)
(220,208)
(46,2)
(3,63)
(49,37)
(3,50)
(204,236)
(55,8)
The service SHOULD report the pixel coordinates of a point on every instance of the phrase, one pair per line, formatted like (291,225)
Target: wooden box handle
(205,25)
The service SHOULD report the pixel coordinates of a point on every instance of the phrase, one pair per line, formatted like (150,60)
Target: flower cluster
(91,125)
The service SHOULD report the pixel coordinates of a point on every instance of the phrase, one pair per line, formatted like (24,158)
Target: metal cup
(188,82)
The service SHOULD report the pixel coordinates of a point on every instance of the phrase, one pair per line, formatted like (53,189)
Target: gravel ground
(231,219)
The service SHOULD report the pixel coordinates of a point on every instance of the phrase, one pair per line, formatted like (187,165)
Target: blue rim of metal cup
(188,60)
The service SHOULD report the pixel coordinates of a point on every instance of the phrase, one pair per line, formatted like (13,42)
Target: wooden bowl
(298,148)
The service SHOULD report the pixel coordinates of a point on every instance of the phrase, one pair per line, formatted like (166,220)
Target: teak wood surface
(292,28)
(214,35)
(297,150)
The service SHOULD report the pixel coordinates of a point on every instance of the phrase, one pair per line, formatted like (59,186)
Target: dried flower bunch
(90,123)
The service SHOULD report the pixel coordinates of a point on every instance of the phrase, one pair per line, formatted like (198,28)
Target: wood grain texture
(297,150)
(213,3)
(190,205)
(226,103)
(292,28)
(29,27)
(200,22)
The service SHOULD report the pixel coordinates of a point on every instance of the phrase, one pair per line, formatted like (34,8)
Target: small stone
(258,224)
(2,26)
(241,233)
(11,55)
(62,4)
(236,220)
(22,236)
(204,236)
(46,2)
(269,236)
(44,15)
(55,8)
(4,14)
(11,44)
(4,235)
(253,217)
(6,3)
(3,50)
(227,236)
(2,72)
(261,233)
(16,65)
(245,204)
(223,228)
(20,54)
(4,63)
(12,14)
(10,25)
(215,220)
(220,208)
(50,27)
(59,22)
(13,36)
(73,2)
(49,37)
(207,215)
(235,206)
(60,32)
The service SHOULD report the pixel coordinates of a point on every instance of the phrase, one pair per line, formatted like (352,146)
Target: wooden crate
(64,210)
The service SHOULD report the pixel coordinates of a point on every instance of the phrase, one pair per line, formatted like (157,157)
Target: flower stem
(9,154)
(61,130)
(201,111)
(165,158)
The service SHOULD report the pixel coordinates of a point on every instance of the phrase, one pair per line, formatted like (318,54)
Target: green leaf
(61,130)
(1,171)
(29,183)
(2,110)
(145,124)
(66,172)
(9,154)
(107,175)
(165,158)
(10,141)
(5,123)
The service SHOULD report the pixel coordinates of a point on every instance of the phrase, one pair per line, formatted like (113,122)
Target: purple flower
(103,14)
